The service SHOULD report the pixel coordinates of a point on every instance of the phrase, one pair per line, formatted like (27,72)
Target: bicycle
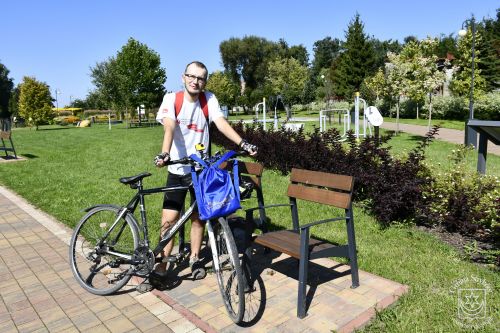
(107,249)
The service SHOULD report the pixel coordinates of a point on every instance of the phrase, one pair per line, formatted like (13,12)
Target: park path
(445,134)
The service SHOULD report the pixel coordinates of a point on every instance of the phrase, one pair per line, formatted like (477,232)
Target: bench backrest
(322,187)
(249,171)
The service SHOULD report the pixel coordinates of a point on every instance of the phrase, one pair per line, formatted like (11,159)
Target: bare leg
(168,218)
(197,229)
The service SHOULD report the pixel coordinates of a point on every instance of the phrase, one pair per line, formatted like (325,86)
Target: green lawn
(70,168)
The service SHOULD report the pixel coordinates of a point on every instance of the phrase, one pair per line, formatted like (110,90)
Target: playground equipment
(344,117)
(264,120)
(371,117)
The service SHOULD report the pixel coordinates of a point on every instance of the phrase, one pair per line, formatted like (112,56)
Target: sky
(57,42)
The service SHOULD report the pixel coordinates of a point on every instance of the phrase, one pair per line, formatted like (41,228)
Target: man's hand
(161,159)
(248,147)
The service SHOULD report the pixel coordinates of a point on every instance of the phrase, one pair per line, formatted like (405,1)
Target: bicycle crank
(144,261)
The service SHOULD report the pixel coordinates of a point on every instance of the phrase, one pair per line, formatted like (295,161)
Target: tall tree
(131,78)
(490,52)
(356,62)
(35,102)
(446,45)
(461,82)
(287,77)
(325,52)
(223,87)
(6,85)
(381,48)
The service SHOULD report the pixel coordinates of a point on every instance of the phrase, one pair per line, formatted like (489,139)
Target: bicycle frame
(139,199)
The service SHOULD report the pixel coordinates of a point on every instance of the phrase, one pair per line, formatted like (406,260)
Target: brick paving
(38,292)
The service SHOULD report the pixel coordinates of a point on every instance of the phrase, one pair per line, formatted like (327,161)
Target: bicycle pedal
(198,274)
(170,259)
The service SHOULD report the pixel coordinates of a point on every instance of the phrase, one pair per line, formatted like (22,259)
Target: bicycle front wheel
(99,254)
(228,271)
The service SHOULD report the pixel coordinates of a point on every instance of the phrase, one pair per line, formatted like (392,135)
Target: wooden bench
(325,188)
(6,135)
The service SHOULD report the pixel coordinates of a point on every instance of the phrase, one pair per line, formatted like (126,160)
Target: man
(183,129)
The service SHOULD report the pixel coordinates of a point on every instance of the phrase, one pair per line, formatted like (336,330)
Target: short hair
(197,64)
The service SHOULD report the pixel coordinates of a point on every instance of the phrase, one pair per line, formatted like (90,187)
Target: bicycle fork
(213,246)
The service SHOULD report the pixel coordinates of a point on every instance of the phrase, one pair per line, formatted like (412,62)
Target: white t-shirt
(192,127)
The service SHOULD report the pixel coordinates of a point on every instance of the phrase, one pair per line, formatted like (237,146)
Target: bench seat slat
(287,241)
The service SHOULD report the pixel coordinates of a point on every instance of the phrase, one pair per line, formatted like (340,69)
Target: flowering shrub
(462,201)
(66,120)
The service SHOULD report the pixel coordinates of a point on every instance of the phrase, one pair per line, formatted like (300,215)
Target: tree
(423,76)
(397,70)
(132,78)
(376,84)
(414,72)
(223,87)
(490,52)
(355,63)
(325,51)
(446,45)
(381,48)
(246,61)
(6,85)
(287,77)
(35,102)
(461,82)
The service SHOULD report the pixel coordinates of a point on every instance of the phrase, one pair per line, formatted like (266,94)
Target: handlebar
(189,161)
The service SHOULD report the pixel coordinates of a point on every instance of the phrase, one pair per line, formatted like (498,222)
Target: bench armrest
(306,226)
(250,210)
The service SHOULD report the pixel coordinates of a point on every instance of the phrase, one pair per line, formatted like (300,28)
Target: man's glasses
(192,77)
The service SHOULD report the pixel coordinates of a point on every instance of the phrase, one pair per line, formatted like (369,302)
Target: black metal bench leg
(303,270)
(353,257)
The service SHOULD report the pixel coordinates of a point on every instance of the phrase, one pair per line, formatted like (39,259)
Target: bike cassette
(146,258)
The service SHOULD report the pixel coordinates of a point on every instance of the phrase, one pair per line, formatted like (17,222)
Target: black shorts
(174,200)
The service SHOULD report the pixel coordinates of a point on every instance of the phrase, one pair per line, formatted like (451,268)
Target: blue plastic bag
(216,193)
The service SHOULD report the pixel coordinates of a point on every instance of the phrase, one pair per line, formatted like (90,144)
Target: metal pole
(470,133)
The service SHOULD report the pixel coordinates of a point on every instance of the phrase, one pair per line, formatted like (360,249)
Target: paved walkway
(445,134)
(38,292)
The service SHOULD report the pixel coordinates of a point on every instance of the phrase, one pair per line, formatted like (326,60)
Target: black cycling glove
(248,147)
(165,157)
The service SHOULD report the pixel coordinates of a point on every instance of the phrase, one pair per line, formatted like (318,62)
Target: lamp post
(57,103)
(470,133)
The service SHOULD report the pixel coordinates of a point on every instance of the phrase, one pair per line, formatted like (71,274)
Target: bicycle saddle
(134,179)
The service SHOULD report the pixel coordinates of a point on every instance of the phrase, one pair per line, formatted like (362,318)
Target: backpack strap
(224,158)
(179,99)
(199,160)
(236,174)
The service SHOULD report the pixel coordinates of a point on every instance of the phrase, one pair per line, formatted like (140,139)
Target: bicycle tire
(229,273)
(97,273)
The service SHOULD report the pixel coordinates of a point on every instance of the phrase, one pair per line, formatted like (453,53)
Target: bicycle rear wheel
(228,271)
(98,263)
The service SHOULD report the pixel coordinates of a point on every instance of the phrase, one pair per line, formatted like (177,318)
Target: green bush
(462,201)
(447,107)
(487,107)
